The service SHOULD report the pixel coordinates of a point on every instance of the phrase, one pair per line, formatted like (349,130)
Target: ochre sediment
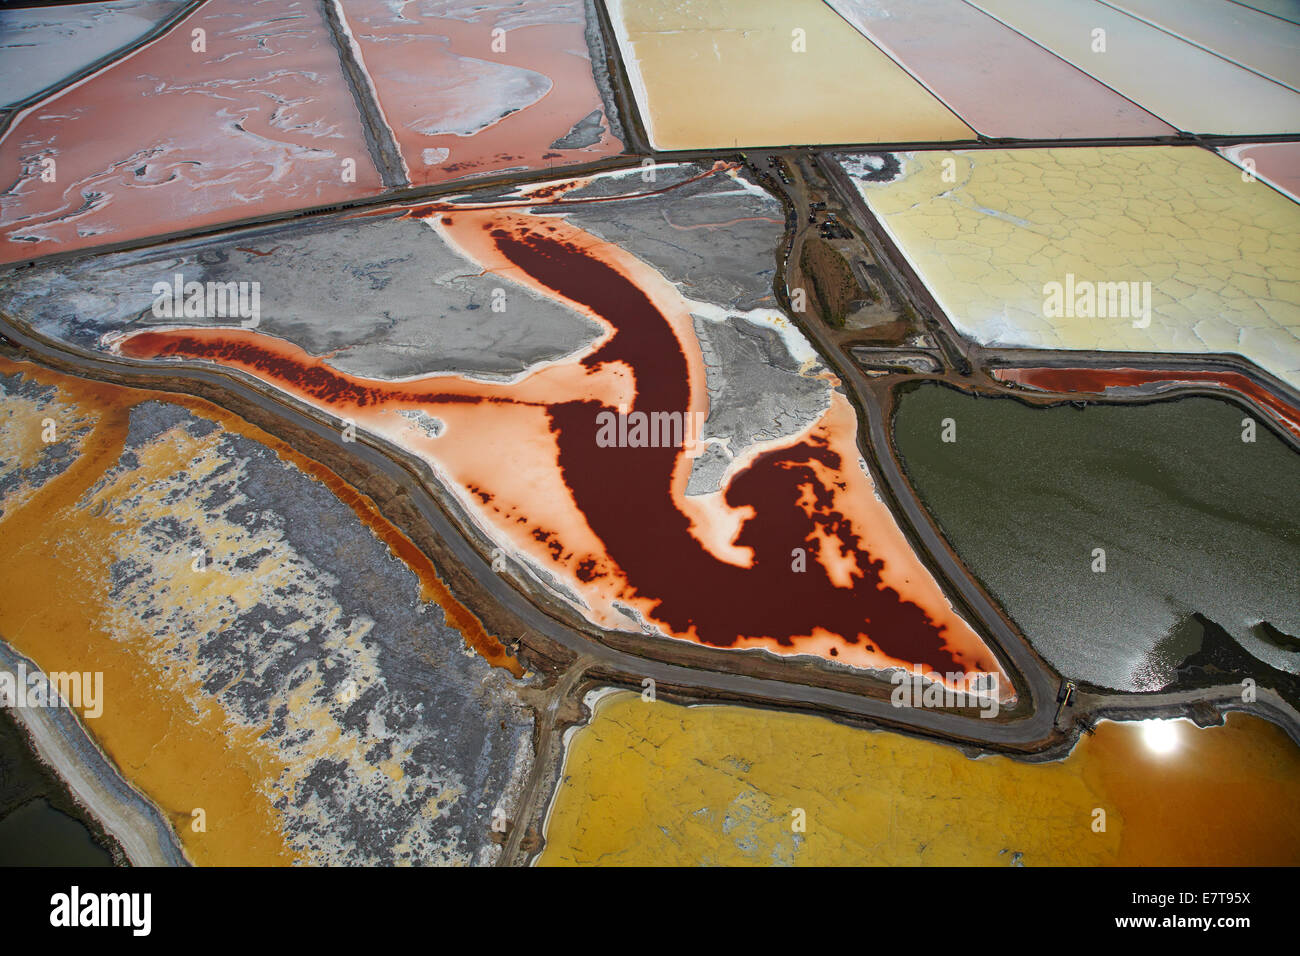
(658,784)
(60,606)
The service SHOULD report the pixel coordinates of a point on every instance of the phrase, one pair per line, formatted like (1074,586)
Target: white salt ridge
(481,95)
(632,66)
(795,343)
(342,17)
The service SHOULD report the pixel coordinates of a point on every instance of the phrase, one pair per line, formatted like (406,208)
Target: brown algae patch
(661,784)
(99,573)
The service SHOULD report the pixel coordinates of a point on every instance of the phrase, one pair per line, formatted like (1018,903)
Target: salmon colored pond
(170,138)
(468,93)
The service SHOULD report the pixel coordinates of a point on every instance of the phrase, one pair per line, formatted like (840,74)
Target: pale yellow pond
(989,231)
(722,73)
(661,784)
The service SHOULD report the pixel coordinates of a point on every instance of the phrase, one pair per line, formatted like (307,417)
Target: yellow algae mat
(661,784)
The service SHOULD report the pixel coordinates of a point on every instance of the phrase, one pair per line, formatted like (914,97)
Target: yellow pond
(661,784)
(721,73)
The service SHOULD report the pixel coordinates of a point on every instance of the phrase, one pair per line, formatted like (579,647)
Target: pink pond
(260,121)
(470,89)
(999,82)
(1275,163)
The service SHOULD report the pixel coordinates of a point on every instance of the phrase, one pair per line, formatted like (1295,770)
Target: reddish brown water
(1097,380)
(614,522)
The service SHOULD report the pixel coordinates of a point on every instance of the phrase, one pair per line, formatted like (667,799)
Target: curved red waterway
(625,494)
(716,601)
(1097,380)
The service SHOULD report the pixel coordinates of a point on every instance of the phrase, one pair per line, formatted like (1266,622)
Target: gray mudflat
(1191,519)
(383,297)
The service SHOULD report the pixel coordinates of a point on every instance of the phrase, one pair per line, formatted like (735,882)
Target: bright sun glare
(1160,736)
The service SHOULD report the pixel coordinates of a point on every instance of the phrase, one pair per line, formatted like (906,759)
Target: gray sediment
(585,132)
(382,297)
(600,69)
(1192,520)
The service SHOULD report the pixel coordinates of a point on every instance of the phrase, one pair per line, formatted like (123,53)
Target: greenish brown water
(36,834)
(37,822)
(1192,520)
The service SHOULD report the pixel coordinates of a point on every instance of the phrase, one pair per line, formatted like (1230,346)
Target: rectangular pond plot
(722,73)
(1130,543)
(1187,87)
(1150,249)
(41,46)
(1257,41)
(997,81)
(259,121)
(508,86)
(667,785)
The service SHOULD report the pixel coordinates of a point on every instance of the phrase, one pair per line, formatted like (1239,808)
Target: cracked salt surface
(1222,255)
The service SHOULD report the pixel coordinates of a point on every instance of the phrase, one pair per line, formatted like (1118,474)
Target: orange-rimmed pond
(661,784)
